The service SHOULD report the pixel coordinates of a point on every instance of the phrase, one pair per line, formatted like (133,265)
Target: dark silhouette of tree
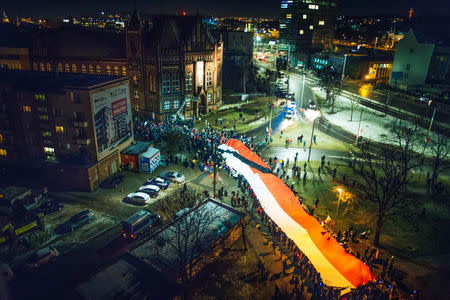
(330,81)
(384,176)
(439,149)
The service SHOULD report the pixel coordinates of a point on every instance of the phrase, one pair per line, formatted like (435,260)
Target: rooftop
(137,148)
(53,81)
(165,258)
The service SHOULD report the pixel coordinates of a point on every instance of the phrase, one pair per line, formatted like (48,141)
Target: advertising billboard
(112,118)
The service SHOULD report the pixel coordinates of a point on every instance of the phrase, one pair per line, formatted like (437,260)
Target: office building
(307,25)
(67,127)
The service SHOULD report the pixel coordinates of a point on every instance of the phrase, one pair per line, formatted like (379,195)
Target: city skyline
(251,8)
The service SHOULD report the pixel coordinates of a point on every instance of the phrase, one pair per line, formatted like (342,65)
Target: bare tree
(439,150)
(187,235)
(353,104)
(383,177)
(329,80)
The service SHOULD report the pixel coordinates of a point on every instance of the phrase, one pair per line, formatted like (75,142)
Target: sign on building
(112,118)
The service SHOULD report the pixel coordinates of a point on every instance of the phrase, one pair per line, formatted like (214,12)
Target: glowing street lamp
(337,208)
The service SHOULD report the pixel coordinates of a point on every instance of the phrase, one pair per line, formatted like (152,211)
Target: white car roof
(139,194)
(150,186)
(159,179)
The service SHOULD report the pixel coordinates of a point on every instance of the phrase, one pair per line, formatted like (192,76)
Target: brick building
(70,127)
(174,63)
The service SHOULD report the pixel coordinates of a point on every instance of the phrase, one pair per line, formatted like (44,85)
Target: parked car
(158,181)
(174,177)
(111,182)
(151,190)
(312,104)
(42,257)
(138,198)
(76,221)
(289,114)
(50,206)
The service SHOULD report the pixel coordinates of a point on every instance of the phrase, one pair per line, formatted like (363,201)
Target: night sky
(266,8)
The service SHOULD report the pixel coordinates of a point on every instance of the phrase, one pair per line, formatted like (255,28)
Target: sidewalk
(260,242)
(366,122)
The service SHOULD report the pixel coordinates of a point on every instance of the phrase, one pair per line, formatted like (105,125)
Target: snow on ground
(374,125)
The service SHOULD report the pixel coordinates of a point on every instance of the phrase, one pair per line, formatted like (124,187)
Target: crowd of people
(203,143)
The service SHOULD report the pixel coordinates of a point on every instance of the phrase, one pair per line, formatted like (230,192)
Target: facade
(69,126)
(175,65)
(357,66)
(419,61)
(173,62)
(307,25)
(14,48)
(237,56)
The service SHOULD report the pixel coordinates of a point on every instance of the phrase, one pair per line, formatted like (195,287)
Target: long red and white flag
(336,266)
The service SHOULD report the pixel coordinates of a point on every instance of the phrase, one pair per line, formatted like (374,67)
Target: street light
(337,208)
(312,115)
(343,69)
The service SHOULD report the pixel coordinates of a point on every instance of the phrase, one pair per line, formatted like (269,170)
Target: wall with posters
(112,118)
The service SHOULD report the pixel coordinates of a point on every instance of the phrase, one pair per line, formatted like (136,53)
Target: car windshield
(179,175)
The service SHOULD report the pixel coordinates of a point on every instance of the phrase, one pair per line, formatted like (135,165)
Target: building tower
(307,25)
(135,62)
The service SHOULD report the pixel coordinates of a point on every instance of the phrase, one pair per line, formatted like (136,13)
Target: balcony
(80,124)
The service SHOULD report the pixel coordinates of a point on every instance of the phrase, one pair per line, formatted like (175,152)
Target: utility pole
(431,123)
(359,126)
(343,69)
(215,169)
(288,74)
(303,90)
(312,134)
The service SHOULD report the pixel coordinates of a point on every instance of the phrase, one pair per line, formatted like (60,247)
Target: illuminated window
(49,151)
(60,69)
(288,16)
(136,94)
(209,78)
(167,104)
(39,97)
(116,70)
(3,152)
(166,83)
(321,22)
(311,27)
(49,67)
(59,129)
(124,71)
(99,69)
(43,117)
(26,108)
(304,17)
(282,25)
(83,68)
(46,133)
(188,101)
(189,81)
(175,82)
(312,6)
(67,67)
(108,70)
(74,68)
(176,104)
(35,67)
(91,69)
(284,5)
(42,67)
(301,31)
(209,98)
